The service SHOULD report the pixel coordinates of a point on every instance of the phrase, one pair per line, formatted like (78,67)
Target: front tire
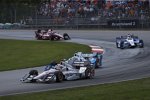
(59,76)
(51,38)
(33,73)
(89,73)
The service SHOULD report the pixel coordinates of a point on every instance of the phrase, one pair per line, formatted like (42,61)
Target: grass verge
(130,90)
(17,54)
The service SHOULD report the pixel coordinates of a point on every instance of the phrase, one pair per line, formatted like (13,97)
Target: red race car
(50,35)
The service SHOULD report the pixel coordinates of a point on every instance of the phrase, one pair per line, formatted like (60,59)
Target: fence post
(36,17)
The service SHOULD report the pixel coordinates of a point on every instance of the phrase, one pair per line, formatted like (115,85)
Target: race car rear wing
(96,49)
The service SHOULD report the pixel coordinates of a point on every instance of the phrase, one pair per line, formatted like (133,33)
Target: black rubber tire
(38,31)
(141,42)
(36,35)
(117,45)
(59,76)
(122,45)
(33,81)
(97,64)
(89,73)
(51,38)
(66,36)
(33,72)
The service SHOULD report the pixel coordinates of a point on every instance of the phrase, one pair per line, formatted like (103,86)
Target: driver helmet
(50,30)
(129,35)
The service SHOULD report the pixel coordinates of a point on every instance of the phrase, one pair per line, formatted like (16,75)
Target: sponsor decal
(123,23)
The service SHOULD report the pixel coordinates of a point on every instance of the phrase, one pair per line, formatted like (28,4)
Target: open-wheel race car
(62,71)
(79,66)
(50,35)
(94,58)
(129,41)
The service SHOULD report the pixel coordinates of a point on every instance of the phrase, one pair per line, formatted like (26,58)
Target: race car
(77,67)
(94,58)
(50,35)
(60,72)
(129,41)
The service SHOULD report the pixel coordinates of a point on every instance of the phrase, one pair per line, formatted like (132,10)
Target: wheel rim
(66,37)
(92,73)
(60,76)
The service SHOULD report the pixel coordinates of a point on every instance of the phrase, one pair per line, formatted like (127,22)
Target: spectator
(90,8)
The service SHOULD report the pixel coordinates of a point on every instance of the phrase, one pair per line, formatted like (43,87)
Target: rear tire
(66,36)
(117,45)
(51,38)
(141,44)
(122,45)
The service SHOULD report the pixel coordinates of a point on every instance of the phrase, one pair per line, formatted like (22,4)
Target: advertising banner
(123,23)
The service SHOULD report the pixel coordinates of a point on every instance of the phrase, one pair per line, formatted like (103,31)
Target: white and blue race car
(77,67)
(62,71)
(129,41)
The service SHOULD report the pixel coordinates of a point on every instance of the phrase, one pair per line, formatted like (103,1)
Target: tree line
(29,2)
(14,10)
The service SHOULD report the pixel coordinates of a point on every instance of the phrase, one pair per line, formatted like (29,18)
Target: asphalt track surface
(118,65)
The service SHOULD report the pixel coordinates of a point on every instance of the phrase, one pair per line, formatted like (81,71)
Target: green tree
(13,10)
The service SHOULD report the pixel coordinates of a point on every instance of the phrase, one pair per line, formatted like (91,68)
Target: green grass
(131,90)
(17,54)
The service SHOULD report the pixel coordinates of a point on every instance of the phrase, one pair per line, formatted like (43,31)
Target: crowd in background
(125,9)
(69,8)
(94,8)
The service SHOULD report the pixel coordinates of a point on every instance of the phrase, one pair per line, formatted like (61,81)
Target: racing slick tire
(117,44)
(89,73)
(122,45)
(66,36)
(118,39)
(37,36)
(98,62)
(141,44)
(59,76)
(35,73)
(38,31)
(51,37)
